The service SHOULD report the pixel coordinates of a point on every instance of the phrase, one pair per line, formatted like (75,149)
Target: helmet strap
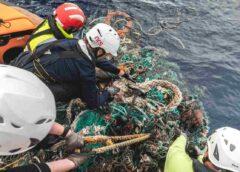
(71,30)
(94,51)
(53,26)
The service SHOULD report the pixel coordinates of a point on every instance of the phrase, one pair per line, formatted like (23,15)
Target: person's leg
(36,167)
(101,75)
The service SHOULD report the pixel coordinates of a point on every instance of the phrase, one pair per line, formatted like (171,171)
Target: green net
(128,118)
(142,108)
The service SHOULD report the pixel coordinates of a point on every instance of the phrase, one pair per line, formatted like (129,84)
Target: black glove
(113,91)
(127,76)
(73,141)
(77,159)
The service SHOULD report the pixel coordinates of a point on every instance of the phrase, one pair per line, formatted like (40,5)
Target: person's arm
(73,140)
(31,168)
(71,162)
(62,165)
(106,65)
(89,92)
(92,96)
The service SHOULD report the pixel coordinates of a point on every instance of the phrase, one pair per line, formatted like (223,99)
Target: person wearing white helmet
(68,66)
(222,154)
(27,115)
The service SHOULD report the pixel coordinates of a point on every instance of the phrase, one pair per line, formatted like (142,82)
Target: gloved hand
(77,159)
(122,70)
(113,91)
(73,141)
(127,76)
(121,73)
(192,150)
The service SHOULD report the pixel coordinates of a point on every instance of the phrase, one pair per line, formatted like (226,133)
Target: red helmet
(70,16)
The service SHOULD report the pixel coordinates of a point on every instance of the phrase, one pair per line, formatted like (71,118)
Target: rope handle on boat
(6,24)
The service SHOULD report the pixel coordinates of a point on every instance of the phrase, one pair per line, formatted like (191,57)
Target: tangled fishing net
(145,117)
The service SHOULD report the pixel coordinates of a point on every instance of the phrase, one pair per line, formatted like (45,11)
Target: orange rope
(121,32)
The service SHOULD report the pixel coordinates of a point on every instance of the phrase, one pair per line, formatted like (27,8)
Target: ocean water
(206,45)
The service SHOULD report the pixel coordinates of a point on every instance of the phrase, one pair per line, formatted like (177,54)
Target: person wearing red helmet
(66,19)
(70,17)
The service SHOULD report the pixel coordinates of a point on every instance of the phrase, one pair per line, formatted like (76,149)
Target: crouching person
(27,115)
(67,66)
(222,155)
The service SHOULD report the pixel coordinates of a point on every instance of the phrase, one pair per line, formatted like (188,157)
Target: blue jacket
(74,72)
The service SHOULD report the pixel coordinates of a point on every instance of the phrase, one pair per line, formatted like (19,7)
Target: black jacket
(72,70)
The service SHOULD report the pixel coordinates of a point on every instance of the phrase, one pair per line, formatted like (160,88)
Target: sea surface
(205,44)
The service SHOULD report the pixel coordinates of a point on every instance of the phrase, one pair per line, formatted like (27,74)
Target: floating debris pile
(158,105)
(152,106)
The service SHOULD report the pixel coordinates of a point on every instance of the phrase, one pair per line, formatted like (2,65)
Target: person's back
(68,69)
(221,153)
(177,159)
(66,19)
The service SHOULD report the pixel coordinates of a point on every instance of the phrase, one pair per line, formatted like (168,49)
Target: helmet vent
(90,38)
(14,150)
(232,147)
(235,166)
(215,153)
(15,125)
(99,32)
(49,120)
(226,141)
(1,120)
(41,121)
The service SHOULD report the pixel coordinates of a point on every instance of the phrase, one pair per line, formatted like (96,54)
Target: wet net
(145,117)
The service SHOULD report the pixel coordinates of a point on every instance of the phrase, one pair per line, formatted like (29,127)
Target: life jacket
(41,57)
(48,31)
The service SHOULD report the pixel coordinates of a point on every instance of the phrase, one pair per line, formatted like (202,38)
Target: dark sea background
(206,46)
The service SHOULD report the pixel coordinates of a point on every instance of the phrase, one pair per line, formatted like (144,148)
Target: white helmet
(27,110)
(224,148)
(105,37)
